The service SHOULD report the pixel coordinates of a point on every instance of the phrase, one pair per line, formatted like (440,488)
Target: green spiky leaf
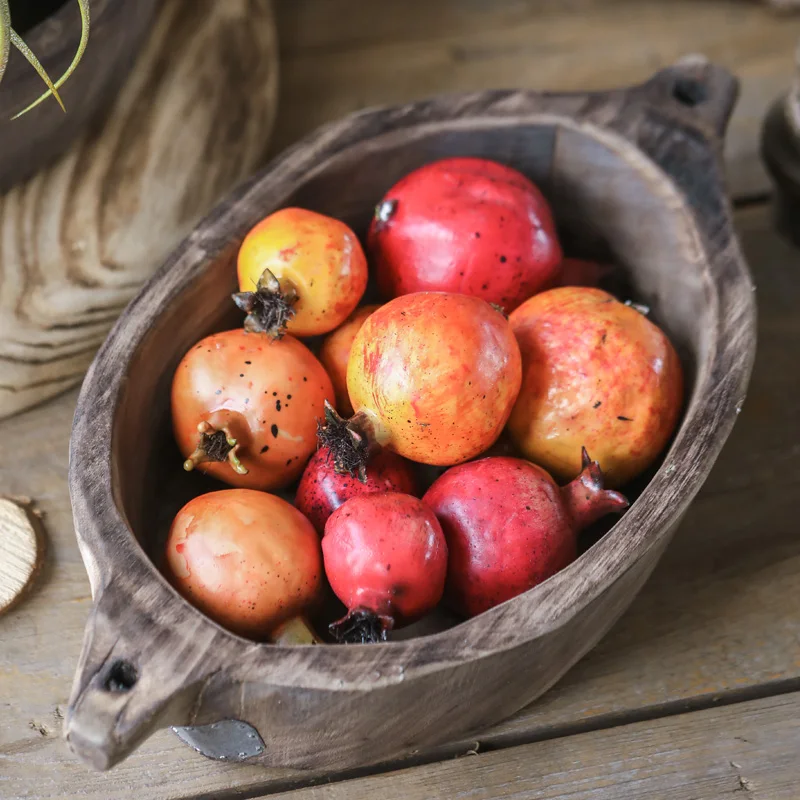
(5,35)
(36,64)
(52,88)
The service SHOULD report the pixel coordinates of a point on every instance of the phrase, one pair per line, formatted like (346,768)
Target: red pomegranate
(465,225)
(322,489)
(509,526)
(386,560)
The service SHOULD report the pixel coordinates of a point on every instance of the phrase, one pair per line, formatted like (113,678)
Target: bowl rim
(707,419)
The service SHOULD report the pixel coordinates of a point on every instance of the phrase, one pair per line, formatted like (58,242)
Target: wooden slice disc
(20,550)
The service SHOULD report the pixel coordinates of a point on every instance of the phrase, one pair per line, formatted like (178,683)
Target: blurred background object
(780,149)
(784,5)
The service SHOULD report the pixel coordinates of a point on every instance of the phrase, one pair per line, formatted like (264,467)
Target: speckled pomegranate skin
(247,559)
(506,529)
(509,526)
(386,553)
(322,490)
(437,375)
(465,225)
(269,392)
(596,374)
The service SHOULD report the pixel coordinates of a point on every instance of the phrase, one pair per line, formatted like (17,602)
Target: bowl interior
(609,202)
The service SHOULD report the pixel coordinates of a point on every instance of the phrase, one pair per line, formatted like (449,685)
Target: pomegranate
(465,225)
(596,373)
(432,376)
(301,272)
(245,408)
(509,526)
(248,560)
(322,489)
(386,559)
(335,353)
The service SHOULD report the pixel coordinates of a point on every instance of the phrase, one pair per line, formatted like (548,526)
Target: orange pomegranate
(335,353)
(249,560)
(245,408)
(301,272)
(596,374)
(432,376)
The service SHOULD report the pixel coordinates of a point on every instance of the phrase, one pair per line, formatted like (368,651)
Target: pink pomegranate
(322,489)
(509,526)
(386,560)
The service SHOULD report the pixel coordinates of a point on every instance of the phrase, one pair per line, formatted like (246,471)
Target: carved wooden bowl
(633,175)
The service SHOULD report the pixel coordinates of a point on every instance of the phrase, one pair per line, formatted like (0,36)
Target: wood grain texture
(21,549)
(81,237)
(717,620)
(400,52)
(35,139)
(735,753)
(670,233)
(784,5)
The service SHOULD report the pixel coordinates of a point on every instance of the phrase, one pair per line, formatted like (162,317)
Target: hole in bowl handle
(678,119)
(696,89)
(132,679)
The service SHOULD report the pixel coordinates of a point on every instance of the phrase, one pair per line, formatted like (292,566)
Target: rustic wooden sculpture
(80,238)
(634,175)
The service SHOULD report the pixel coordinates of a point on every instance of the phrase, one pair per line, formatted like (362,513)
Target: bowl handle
(698,89)
(678,118)
(136,674)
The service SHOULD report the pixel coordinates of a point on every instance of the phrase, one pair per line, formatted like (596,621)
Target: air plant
(9,36)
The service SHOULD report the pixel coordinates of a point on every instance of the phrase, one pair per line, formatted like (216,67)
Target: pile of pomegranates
(422,437)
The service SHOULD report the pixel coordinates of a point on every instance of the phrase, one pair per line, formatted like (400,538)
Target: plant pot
(36,138)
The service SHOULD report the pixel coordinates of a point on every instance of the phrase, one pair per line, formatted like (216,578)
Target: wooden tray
(634,174)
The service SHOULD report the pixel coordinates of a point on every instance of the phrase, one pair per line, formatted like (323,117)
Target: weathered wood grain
(739,752)
(80,238)
(405,51)
(719,617)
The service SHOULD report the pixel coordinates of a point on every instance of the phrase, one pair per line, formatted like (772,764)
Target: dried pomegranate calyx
(586,498)
(351,441)
(270,307)
(215,445)
(361,626)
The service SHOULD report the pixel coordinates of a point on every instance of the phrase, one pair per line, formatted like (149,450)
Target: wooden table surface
(695,693)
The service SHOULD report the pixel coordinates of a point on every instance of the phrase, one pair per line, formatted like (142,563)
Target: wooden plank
(721,614)
(403,51)
(748,750)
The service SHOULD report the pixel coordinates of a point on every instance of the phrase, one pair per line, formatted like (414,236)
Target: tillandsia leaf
(5,35)
(52,88)
(34,62)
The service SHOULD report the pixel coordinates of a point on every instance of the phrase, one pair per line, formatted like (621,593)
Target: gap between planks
(739,752)
(295,787)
